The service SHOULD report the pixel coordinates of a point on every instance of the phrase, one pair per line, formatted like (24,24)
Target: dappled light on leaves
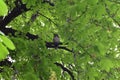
(60,39)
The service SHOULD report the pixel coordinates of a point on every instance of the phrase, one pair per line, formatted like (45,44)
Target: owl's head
(56,35)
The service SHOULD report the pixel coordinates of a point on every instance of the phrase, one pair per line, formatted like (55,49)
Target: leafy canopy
(89,27)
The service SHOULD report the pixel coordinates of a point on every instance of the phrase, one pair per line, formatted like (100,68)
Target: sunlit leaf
(100,47)
(3,8)
(3,52)
(88,29)
(106,64)
(7,42)
(92,2)
(29,76)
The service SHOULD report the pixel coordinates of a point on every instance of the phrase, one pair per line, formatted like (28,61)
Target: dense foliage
(88,29)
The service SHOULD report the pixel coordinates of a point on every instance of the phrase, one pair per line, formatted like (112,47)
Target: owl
(56,40)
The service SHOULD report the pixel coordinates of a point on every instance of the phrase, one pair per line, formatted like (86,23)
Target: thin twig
(81,14)
(65,69)
(48,19)
(108,12)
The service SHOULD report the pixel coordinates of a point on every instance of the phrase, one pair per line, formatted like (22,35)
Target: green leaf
(99,46)
(92,71)
(106,64)
(99,11)
(7,42)
(3,8)
(29,3)
(3,51)
(92,2)
(30,76)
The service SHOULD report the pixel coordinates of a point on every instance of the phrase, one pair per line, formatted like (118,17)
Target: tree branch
(65,48)
(51,45)
(5,63)
(18,10)
(65,69)
(12,15)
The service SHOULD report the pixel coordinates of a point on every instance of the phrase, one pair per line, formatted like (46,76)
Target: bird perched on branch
(56,40)
(57,44)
